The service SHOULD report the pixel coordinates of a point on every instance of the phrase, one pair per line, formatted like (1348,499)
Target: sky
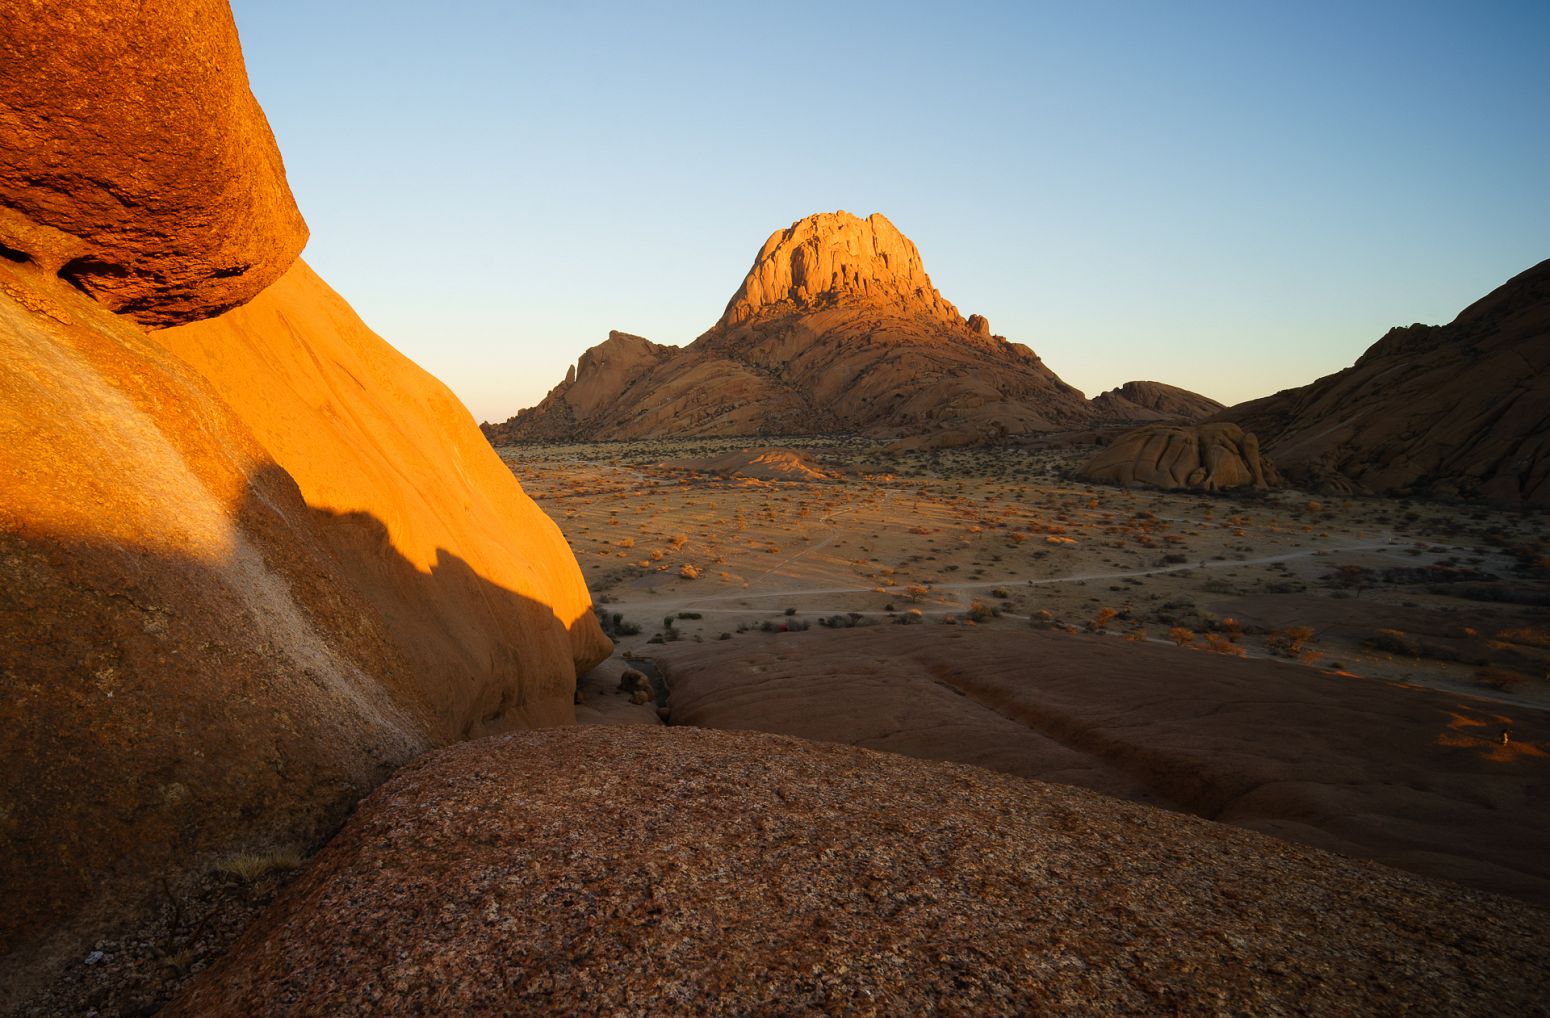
(1232,197)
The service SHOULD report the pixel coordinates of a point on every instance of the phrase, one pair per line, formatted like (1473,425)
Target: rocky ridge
(1154,401)
(1455,410)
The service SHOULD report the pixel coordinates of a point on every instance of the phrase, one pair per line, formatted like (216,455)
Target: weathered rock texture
(1411,777)
(1154,401)
(247,565)
(741,873)
(137,164)
(835,329)
(197,655)
(1460,409)
(1202,457)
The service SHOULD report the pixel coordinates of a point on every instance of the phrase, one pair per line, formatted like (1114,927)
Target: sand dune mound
(1154,401)
(763,464)
(1458,409)
(835,328)
(735,872)
(1204,457)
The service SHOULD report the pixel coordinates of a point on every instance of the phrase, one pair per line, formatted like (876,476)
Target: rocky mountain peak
(833,257)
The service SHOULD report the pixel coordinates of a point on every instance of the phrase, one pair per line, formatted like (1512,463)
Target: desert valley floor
(1365,675)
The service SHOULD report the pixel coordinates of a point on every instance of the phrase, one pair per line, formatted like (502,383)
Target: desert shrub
(688,572)
(249,867)
(1001,592)
(1219,644)
(1526,637)
(678,541)
(1101,621)
(1501,679)
(1290,641)
(1394,642)
(1181,636)
(690,615)
(791,611)
(979,611)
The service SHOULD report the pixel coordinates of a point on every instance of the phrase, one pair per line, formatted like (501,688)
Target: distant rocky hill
(1154,401)
(835,328)
(1458,409)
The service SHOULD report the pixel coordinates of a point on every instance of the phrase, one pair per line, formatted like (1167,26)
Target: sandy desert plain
(1365,674)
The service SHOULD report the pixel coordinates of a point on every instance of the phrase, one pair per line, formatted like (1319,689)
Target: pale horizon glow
(1228,198)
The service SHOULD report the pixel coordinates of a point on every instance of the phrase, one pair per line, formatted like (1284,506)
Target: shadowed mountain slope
(1154,401)
(1457,409)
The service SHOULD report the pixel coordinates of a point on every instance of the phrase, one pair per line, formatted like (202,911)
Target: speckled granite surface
(635,870)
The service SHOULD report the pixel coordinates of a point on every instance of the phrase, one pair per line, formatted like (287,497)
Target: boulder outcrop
(138,166)
(836,328)
(1202,457)
(743,873)
(1154,401)
(248,565)
(1454,410)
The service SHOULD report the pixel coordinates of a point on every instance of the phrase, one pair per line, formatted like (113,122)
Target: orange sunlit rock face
(362,429)
(835,256)
(221,655)
(137,163)
(247,567)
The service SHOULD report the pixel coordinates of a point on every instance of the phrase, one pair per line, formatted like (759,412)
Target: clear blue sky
(1234,197)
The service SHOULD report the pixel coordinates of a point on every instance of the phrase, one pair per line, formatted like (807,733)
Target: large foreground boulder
(248,566)
(741,873)
(1205,457)
(199,657)
(137,164)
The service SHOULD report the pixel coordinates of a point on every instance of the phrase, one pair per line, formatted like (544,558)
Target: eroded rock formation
(137,164)
(1154,401)
(835,328)
(1202,457)
(247,565)
(748,873)
(1458,409)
